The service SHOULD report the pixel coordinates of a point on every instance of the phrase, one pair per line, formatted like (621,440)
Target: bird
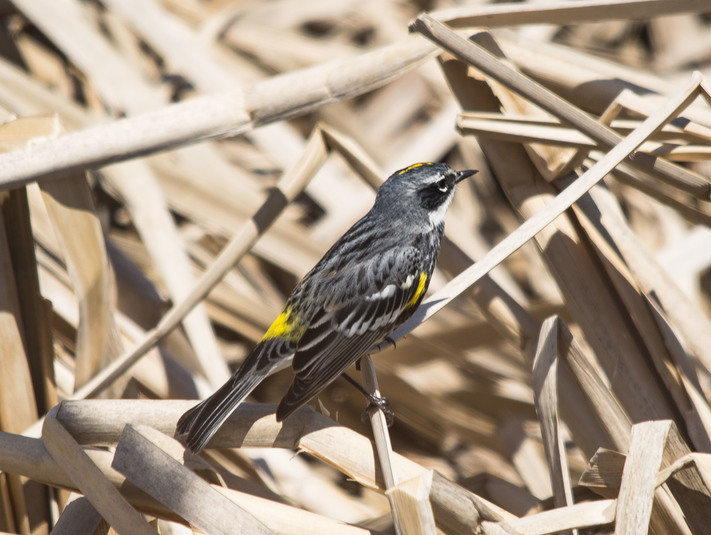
(367,284)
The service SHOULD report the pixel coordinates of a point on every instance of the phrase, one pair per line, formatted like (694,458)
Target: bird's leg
(378,402)
(388,340)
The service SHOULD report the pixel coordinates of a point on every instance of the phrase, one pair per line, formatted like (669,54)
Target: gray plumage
(367,284)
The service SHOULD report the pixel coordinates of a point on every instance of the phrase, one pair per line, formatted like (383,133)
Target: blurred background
(93,259)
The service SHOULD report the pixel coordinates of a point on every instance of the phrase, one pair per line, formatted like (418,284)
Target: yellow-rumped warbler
(367,284)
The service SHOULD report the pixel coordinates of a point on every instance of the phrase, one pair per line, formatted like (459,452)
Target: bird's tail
(204,419)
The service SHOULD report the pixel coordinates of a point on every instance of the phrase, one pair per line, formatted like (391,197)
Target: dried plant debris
(169,170)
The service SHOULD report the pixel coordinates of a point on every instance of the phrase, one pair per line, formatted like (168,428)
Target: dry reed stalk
(289,187)
(561,13)
(211,117)
(566,391)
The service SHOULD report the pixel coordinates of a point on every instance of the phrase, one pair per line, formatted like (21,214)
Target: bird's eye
(442,185)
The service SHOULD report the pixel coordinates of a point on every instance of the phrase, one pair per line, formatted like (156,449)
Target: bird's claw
(379,403)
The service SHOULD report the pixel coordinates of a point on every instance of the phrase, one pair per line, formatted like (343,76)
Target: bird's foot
(374,402)
(379,403)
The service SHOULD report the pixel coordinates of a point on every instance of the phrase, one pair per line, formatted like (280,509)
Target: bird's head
(422,190)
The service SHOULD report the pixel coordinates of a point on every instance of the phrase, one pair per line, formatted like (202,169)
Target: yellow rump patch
(419,291)
(285,326)
(414,166)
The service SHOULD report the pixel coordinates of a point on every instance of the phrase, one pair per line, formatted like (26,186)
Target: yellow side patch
(419,291)
(285,326)
(414,166)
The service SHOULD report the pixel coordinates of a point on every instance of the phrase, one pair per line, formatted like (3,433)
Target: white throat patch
(437,216)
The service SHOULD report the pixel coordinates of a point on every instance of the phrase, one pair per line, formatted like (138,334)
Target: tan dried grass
(196,158)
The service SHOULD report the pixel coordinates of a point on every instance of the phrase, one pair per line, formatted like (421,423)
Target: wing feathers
(305,387)
(356,325)
(358,307)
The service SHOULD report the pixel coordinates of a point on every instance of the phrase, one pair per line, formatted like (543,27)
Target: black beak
(461,175)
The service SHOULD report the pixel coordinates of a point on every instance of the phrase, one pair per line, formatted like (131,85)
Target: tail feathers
(202,421)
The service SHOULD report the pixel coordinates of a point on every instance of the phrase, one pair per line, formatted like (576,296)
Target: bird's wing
(368,302)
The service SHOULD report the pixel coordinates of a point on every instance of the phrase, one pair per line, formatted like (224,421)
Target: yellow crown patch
(414,166)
